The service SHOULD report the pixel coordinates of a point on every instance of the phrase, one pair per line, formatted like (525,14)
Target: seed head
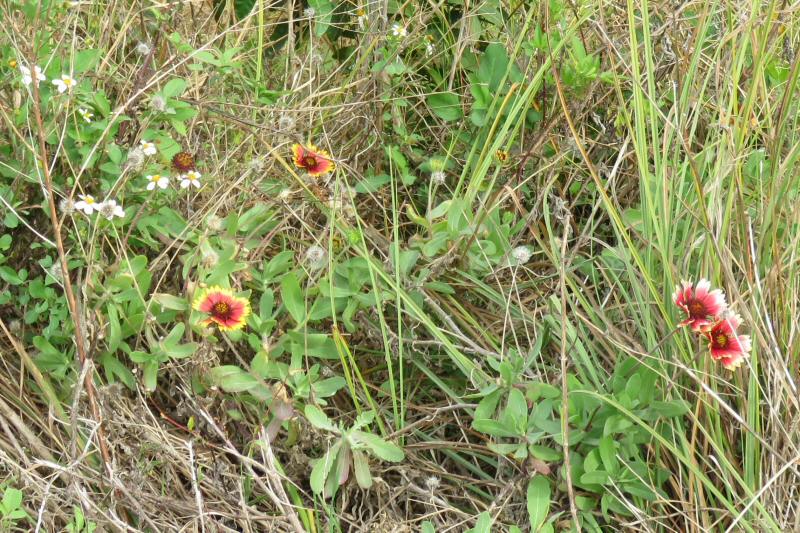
(143,49)
(315,256)
(136,159)
(66,206)
(159,103)
(521,254)
(438,177)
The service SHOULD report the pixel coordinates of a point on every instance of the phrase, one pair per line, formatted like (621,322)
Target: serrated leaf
(317,418)
(322,468)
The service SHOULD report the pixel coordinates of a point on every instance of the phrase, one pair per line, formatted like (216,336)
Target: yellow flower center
(221,308)
(310,161)
(89,200)
(722,340)
(155,177)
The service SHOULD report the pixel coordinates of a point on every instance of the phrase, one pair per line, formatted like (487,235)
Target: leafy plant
(349,451)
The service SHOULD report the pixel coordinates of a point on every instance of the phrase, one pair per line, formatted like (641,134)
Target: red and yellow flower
(702,306)
(314,161)
(725,345)
(223,308)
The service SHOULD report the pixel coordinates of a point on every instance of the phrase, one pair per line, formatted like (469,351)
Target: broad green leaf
(383,449)
(538,500)
(150,375)
(446,106)
(361,467)
(292,297)
(232,378)
(12,499)
(114,329)
(322,468)
(168,301)
(494,428)
(317,418)
(174,87)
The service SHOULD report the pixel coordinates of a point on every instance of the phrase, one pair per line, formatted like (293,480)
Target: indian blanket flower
(85,114)
(148,148)
(157,180)
(183,162)
(87,204)
(28,76)
(223,308)
(314,161)
(725,345)
(111,209)
(65,83)
(701,305)
(190,178)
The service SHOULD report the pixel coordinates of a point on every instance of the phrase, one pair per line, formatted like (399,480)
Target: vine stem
(80,340)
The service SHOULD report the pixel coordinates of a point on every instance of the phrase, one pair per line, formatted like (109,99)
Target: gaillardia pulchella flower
(223,308)
(725,344)
(314,161)
(701,305)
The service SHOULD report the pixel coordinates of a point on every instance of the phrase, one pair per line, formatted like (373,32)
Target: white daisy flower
(399,31)
(157,180)
(87,204)
(28,76)
(191,178)
(86,114)
(148,148)
(64,83)
(429,49)
(110,209)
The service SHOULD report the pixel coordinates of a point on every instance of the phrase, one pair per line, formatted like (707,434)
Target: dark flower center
(221,309)
(722,340)
(310,161)
(697,308)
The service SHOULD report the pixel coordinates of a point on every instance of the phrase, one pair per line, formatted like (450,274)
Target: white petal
(196,183)
(184,184)
(151,186)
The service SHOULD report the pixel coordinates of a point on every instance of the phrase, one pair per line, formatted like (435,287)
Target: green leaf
(232,378)
(427,527)
(168,301)
(494,428)
(174,87)
(483,525)
(538,500)
(608,454)
(12,499)
(383,449)
(85,60)
(446,106)
(114,329)
(292,297)
(361,467)
(317,418)
(150,375)
(323,467)
(517,411)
